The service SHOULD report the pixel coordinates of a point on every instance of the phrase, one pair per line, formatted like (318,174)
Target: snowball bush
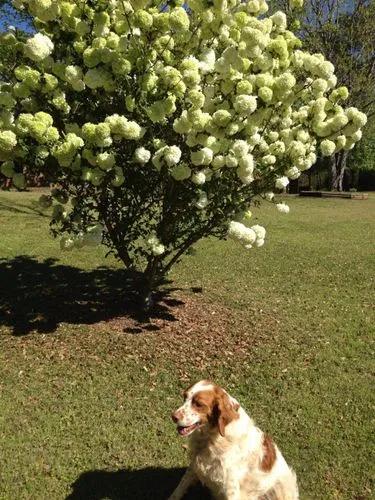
(161,123)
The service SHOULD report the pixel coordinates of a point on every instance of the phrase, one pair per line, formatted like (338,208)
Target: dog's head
(206,407)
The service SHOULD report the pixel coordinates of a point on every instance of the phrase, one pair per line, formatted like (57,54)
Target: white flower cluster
(281,182)
(247,236)
(282,207)
(155,246)
(142,155)
(38,47)
(168,155)
(217,97)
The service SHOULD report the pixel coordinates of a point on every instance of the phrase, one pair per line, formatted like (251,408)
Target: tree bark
(338,167)
(152,278)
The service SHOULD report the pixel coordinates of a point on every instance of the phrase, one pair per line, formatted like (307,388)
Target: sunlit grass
(73,401)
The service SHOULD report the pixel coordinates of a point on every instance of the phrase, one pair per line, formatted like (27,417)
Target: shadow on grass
(38,296)
(143,484)
(20,208)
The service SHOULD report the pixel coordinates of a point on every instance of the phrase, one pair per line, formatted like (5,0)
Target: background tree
(361,162)
(344,31)
(21,24)
(162,127)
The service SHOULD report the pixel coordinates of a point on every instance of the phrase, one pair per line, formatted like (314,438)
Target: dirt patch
(201,336)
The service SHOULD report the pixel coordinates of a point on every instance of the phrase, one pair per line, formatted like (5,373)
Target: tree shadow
(144,484)
(20,208)
(37,296)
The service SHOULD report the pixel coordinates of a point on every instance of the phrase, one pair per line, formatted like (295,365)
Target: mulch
(193,334)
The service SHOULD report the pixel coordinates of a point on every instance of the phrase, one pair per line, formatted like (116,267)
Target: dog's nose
(175,417)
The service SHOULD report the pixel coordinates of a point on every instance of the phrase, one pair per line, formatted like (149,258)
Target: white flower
(245,235)
(281,182)
(38,47)
(236,229)
(245,104)
(283,208)
(244,177)
(218,162)
(202,200)
(248,236)
(133,131)
(269,196)
(199,178)
(106,160)
(297,149)
(8,140)
(73,73)
(246,168)
(180,172)
(259,231)
(231,161)
(207,62)
(155,246)
(202,157)
(296,4)
(357,136)
(327,147)
(240,148)
(293,173)
(259,242)
(269,160)
(172,155)
(142,155)
(158,249)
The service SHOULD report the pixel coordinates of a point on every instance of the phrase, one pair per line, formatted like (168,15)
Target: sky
(10,17)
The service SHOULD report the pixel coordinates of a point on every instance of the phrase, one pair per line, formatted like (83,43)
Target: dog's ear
(225,411)
(235,404)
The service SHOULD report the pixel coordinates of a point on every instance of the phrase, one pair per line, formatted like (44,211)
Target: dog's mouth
(185,431)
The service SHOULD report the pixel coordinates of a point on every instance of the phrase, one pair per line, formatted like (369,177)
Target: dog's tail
(286,488)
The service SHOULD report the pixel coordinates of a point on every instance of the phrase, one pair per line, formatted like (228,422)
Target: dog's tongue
(183,431)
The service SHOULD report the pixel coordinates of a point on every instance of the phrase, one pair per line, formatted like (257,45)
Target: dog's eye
(198,404)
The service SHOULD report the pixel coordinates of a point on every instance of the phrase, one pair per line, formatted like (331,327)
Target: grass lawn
(86,391)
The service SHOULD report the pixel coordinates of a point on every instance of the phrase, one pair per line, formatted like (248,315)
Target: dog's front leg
(232,489)
(188,479)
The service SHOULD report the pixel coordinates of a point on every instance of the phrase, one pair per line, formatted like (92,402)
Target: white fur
(230,465)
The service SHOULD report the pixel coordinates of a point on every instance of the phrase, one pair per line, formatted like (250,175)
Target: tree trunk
(338,167)
(341,178)
(151,280)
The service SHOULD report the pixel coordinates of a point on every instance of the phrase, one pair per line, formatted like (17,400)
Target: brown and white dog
(229,454)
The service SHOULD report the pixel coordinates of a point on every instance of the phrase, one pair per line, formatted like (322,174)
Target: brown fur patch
(203,403)
(269,453)
(214,407)
(225,411)
(186,391)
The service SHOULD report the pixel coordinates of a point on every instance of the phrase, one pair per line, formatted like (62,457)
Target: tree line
(344,31)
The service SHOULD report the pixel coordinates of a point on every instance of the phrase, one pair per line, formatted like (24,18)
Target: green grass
(288,329)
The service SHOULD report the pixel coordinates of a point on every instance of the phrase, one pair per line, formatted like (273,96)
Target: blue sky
(9,16)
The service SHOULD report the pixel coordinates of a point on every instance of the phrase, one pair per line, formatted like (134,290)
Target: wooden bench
(335,194)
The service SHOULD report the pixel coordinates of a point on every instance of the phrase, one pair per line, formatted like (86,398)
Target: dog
(229,455)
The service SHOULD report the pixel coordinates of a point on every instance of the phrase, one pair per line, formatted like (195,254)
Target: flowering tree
(344,32)
(161,123)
